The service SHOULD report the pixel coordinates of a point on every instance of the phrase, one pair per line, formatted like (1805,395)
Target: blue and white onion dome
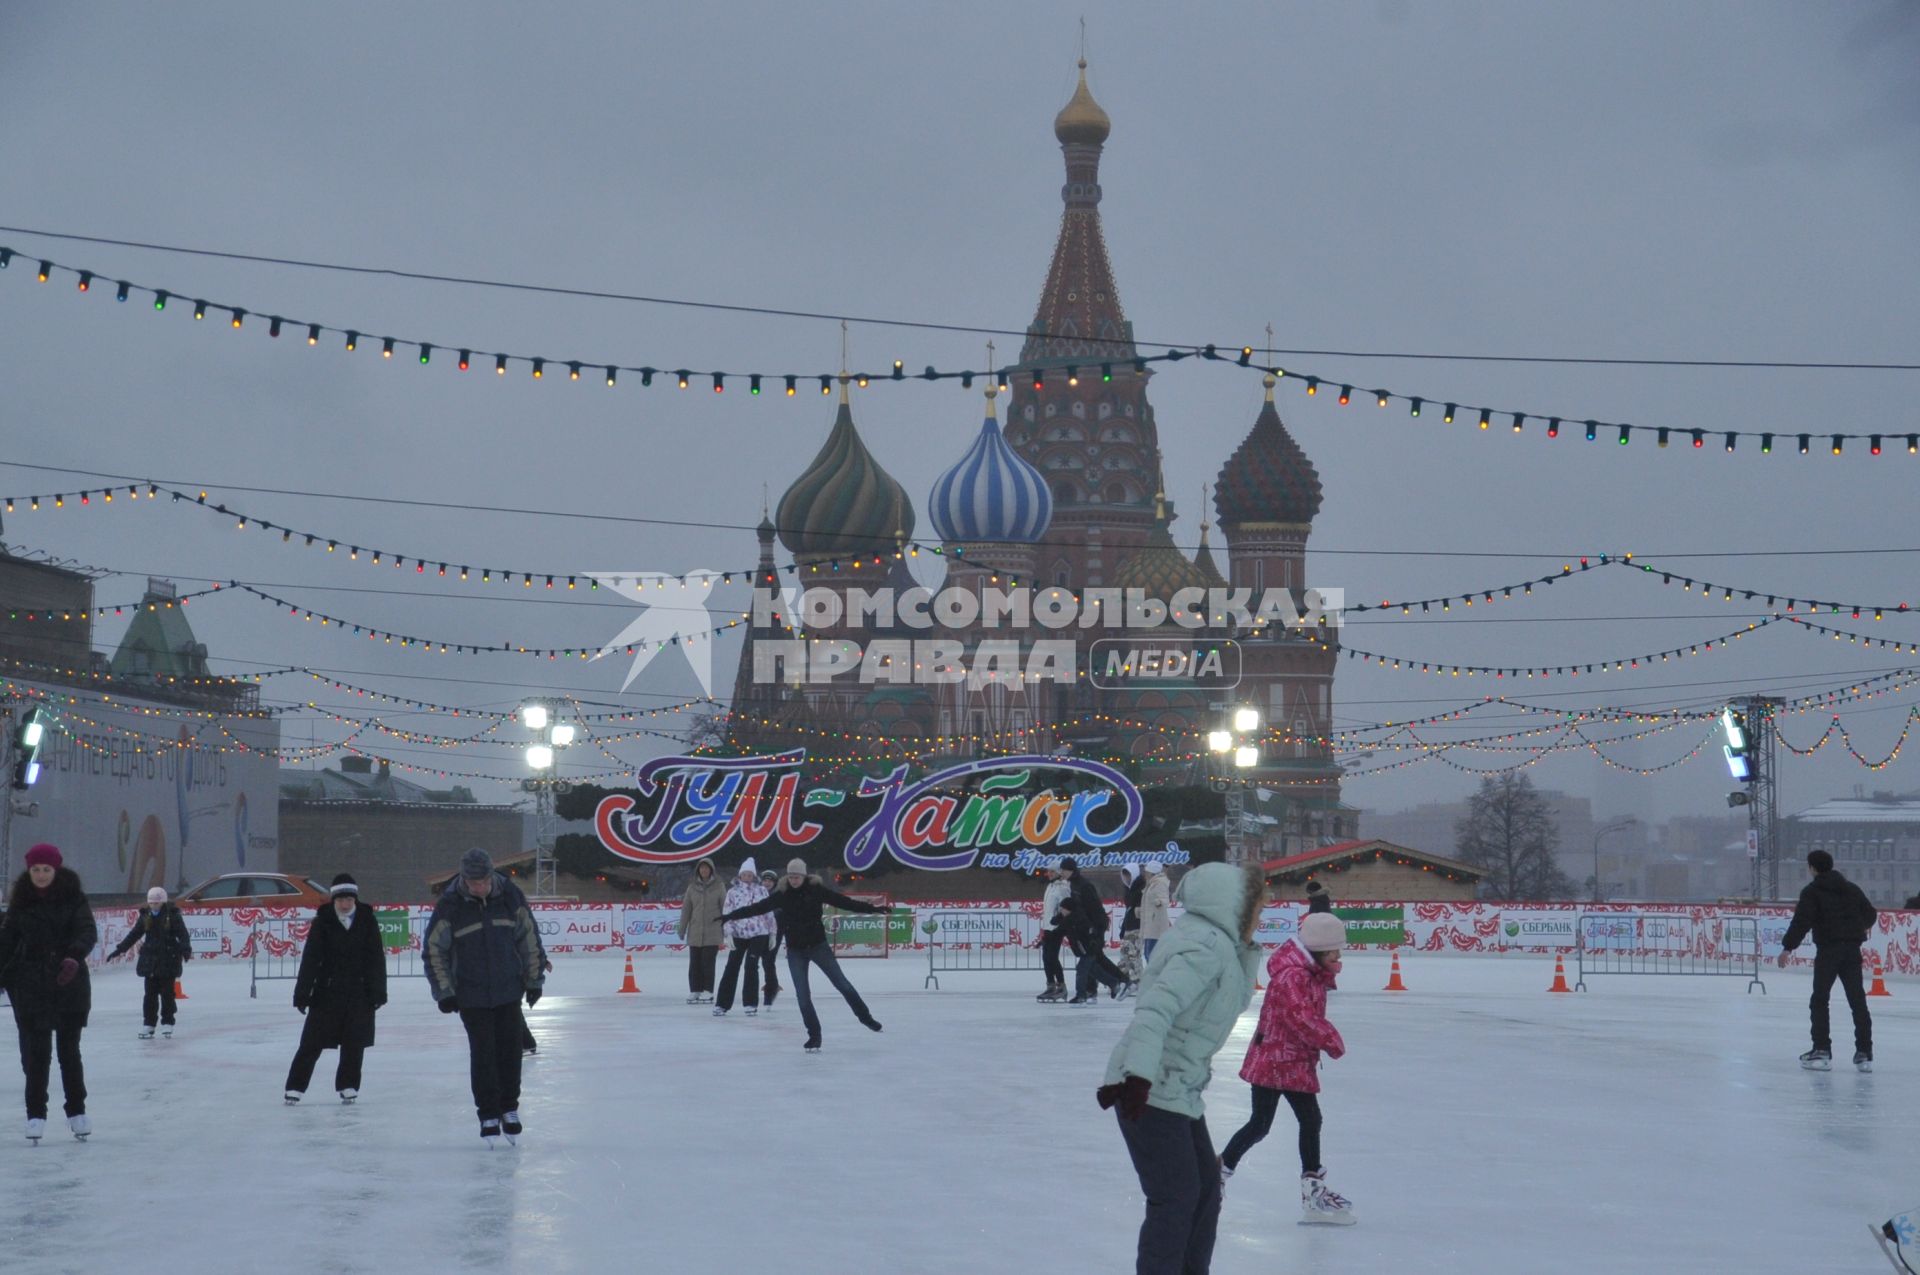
(991,496)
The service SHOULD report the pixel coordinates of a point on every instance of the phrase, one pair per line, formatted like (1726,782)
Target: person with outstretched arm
(799,902)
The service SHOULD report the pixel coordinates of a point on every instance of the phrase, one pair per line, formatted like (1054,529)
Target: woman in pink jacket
(1283,1060)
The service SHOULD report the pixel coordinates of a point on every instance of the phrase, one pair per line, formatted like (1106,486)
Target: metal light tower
(1237,738)
(1752,758)
(550,738)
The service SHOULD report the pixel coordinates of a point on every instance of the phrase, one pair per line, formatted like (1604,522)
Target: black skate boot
(1817,1060)
(1863,1060)
(1055,993)
(813,1045)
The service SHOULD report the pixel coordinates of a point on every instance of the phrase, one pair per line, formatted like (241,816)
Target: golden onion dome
(1081,119)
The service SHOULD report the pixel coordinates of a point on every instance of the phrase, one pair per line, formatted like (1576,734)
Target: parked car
(253,889)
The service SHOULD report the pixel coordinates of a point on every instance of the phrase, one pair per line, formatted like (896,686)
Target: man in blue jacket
(483,955)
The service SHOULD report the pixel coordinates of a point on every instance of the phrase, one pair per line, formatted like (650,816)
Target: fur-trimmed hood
(1225,896)
(65,889)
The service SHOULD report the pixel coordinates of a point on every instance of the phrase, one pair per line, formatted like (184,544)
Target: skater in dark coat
(1093,911)
(1084,936)
(799,903)
(1318,900)
(770,982)
(483,956)
(165,946)
(1838,915)
(342,981)
(44,941)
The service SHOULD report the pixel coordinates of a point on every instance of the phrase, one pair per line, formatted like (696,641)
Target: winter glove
(380,1003)
(448,1005)
(1130,1095)
(1258,1036)
(69,969)
(302,1008)
(1335,1046)
(533,997)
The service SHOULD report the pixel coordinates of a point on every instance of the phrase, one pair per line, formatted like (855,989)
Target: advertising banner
(1382,925)
(135,801)
(1616,933)
(651,926)
(566,927)
(396,928)
(1280,922)
(1535,927)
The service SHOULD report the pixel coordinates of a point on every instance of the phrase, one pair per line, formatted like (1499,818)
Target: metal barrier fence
(854,935)
(276,944)
(979,940)
(1661,943)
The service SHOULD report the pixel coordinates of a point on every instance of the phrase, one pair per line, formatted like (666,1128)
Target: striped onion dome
(991,495)
(845,505)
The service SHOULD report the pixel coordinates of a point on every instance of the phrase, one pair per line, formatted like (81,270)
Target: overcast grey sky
(1716,181)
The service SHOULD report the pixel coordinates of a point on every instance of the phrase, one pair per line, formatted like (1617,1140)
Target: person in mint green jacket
(1197,985)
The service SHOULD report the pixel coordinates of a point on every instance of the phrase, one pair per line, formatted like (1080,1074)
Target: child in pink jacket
(1284,1058)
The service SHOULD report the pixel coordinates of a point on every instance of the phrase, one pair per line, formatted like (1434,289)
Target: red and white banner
(1490,928)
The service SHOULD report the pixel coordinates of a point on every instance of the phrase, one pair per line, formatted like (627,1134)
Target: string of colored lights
(1855,639)
(1575,669)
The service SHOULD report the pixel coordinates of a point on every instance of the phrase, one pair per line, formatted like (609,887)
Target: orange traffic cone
(628,986)
(1879,987)
(180,993)
(1393,978)
(1559,975)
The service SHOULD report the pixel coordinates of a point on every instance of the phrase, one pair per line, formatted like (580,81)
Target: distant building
(1874,840)
(396,837)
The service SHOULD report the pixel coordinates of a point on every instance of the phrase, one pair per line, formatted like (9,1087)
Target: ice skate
(146,1033)
(1863,1060)
(490,1133)
(1899,1239)
(719,1012)
(813,1045)
(166,1029)
(751,1011)
(510,1125)
(1124,990)
(1055,993)
(36,1130)
(348,1096)
(694,999)
(81,1126)
(1321,1207)
(292,1097)
(871,1023)
(1085,999)
(1817,1060)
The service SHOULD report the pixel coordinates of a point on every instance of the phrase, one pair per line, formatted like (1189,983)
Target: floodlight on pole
(539,756)
(1219,741)
(1245,756)
(1246,720)
(561,735)
(534,716)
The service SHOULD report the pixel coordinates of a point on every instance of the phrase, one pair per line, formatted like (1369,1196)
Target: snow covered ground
(1479,1125)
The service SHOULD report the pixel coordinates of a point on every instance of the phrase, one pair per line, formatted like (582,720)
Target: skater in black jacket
(44,941)
(165,946)
(342,981)
(1838,915)
(1092,910)
(798,903)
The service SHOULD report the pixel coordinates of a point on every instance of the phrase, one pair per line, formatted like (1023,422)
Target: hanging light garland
(1611,664)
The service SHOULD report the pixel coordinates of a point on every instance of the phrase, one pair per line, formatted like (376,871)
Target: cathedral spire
(1079,315)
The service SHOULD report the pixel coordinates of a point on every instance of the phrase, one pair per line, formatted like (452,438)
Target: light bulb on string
(313,334)
(353,342)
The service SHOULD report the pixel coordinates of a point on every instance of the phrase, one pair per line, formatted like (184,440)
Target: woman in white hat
(165,946)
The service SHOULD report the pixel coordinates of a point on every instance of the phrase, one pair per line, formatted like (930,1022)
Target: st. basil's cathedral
(1067,493)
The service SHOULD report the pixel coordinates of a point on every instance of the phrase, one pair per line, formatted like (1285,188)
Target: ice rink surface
(1479,1125)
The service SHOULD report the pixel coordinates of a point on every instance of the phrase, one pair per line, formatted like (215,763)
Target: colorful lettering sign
(943,821)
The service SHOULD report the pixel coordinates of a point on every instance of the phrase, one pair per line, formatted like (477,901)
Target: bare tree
(1509,834)
(708,730)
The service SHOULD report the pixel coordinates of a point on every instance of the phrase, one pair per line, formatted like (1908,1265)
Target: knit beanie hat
(1069,864)
(476,863)
(749,868)
(344,884)
(796,867)
(156,897)
(1322,932)
(46,854)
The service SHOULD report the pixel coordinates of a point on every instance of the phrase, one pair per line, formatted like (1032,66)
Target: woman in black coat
(342,981)
(165,946)
(44,942)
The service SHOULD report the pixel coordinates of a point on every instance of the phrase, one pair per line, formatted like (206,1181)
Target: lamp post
(1598,833)
(550,737)
(1236,738)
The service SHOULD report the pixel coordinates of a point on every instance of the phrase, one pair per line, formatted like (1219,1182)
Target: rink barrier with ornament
(1009,927)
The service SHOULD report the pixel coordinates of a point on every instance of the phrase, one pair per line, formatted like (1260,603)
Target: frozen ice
(1478,1124)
